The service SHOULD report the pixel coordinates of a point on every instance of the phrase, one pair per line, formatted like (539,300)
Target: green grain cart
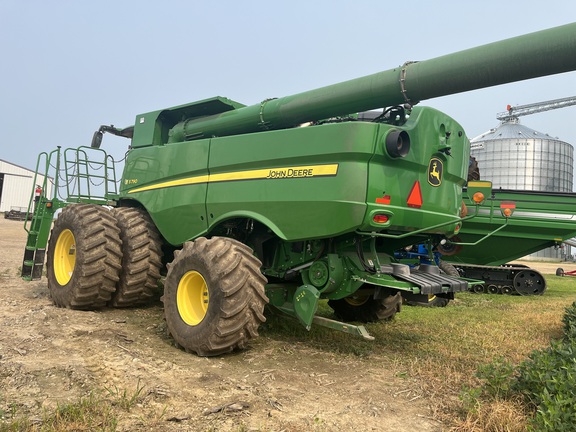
(539,220)
(285,202)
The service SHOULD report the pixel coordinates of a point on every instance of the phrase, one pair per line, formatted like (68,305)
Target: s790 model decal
(259,174)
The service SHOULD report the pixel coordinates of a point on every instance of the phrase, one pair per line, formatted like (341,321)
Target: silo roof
(511,129)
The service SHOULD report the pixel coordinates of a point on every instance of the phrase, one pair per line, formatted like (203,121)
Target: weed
(497,377)
(124,399)
(88,414)
(569,321)
(91,413)
(542,386)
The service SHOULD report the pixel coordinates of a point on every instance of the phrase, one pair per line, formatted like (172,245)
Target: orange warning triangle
(415,196)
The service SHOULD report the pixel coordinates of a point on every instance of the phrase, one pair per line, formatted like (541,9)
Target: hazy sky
(70,66)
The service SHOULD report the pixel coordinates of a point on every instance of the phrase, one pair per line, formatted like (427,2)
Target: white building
(17,186)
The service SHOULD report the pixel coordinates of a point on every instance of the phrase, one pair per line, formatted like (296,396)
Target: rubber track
(502,279)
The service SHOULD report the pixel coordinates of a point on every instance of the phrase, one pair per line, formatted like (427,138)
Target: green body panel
(540,220)
(302,183)
(185,204)
(431,132)
(296,204)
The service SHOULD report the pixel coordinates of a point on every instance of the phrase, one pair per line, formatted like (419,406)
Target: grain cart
(487,243)
(540,220)
(285,202)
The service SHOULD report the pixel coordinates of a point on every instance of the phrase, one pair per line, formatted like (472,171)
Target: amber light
(478,197)
(380,218)
(507,208)
(48,204)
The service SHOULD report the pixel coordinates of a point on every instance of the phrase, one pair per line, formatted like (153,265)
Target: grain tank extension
(286,202)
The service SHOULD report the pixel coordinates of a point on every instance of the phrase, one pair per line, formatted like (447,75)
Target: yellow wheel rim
(65,257)
(357,300)
(192,298)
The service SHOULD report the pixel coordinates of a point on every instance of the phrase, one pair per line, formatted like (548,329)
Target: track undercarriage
(504,279)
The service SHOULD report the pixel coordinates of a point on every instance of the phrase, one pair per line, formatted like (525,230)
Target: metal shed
(17,186)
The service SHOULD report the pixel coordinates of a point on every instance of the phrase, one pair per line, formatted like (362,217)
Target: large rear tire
(214,296)
(84,257)
(473,169)
(365,308)
(141,258)
(450,270)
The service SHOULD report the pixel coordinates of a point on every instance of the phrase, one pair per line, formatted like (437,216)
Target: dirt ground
(51,356)
(548,268)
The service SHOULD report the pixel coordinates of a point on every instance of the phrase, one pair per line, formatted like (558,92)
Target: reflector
(415,196)
(383,200)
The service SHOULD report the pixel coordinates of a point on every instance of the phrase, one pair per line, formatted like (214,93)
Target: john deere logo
(435,169)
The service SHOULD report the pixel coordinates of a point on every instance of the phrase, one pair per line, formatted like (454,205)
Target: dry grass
(474,331)
(441,349)
(99,411)
(494,416)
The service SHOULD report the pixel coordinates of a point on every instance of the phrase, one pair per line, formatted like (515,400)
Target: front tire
(84,257)
(214,296)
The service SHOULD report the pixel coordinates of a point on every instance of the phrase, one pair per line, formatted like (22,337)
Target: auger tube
(533,55)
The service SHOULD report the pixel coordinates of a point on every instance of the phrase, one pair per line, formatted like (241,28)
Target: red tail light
(380,218)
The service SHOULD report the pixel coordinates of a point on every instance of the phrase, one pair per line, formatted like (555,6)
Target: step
(428,278)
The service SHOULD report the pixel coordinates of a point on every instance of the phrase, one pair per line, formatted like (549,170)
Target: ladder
(75,175)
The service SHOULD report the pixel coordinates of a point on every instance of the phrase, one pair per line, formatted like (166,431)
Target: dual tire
(213,293)
(98,257)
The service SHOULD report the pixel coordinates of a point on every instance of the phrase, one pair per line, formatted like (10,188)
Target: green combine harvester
(282,203)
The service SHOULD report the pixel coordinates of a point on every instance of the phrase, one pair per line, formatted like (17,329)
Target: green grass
(479,324)
(91,413)
(444,347)
(99,411)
